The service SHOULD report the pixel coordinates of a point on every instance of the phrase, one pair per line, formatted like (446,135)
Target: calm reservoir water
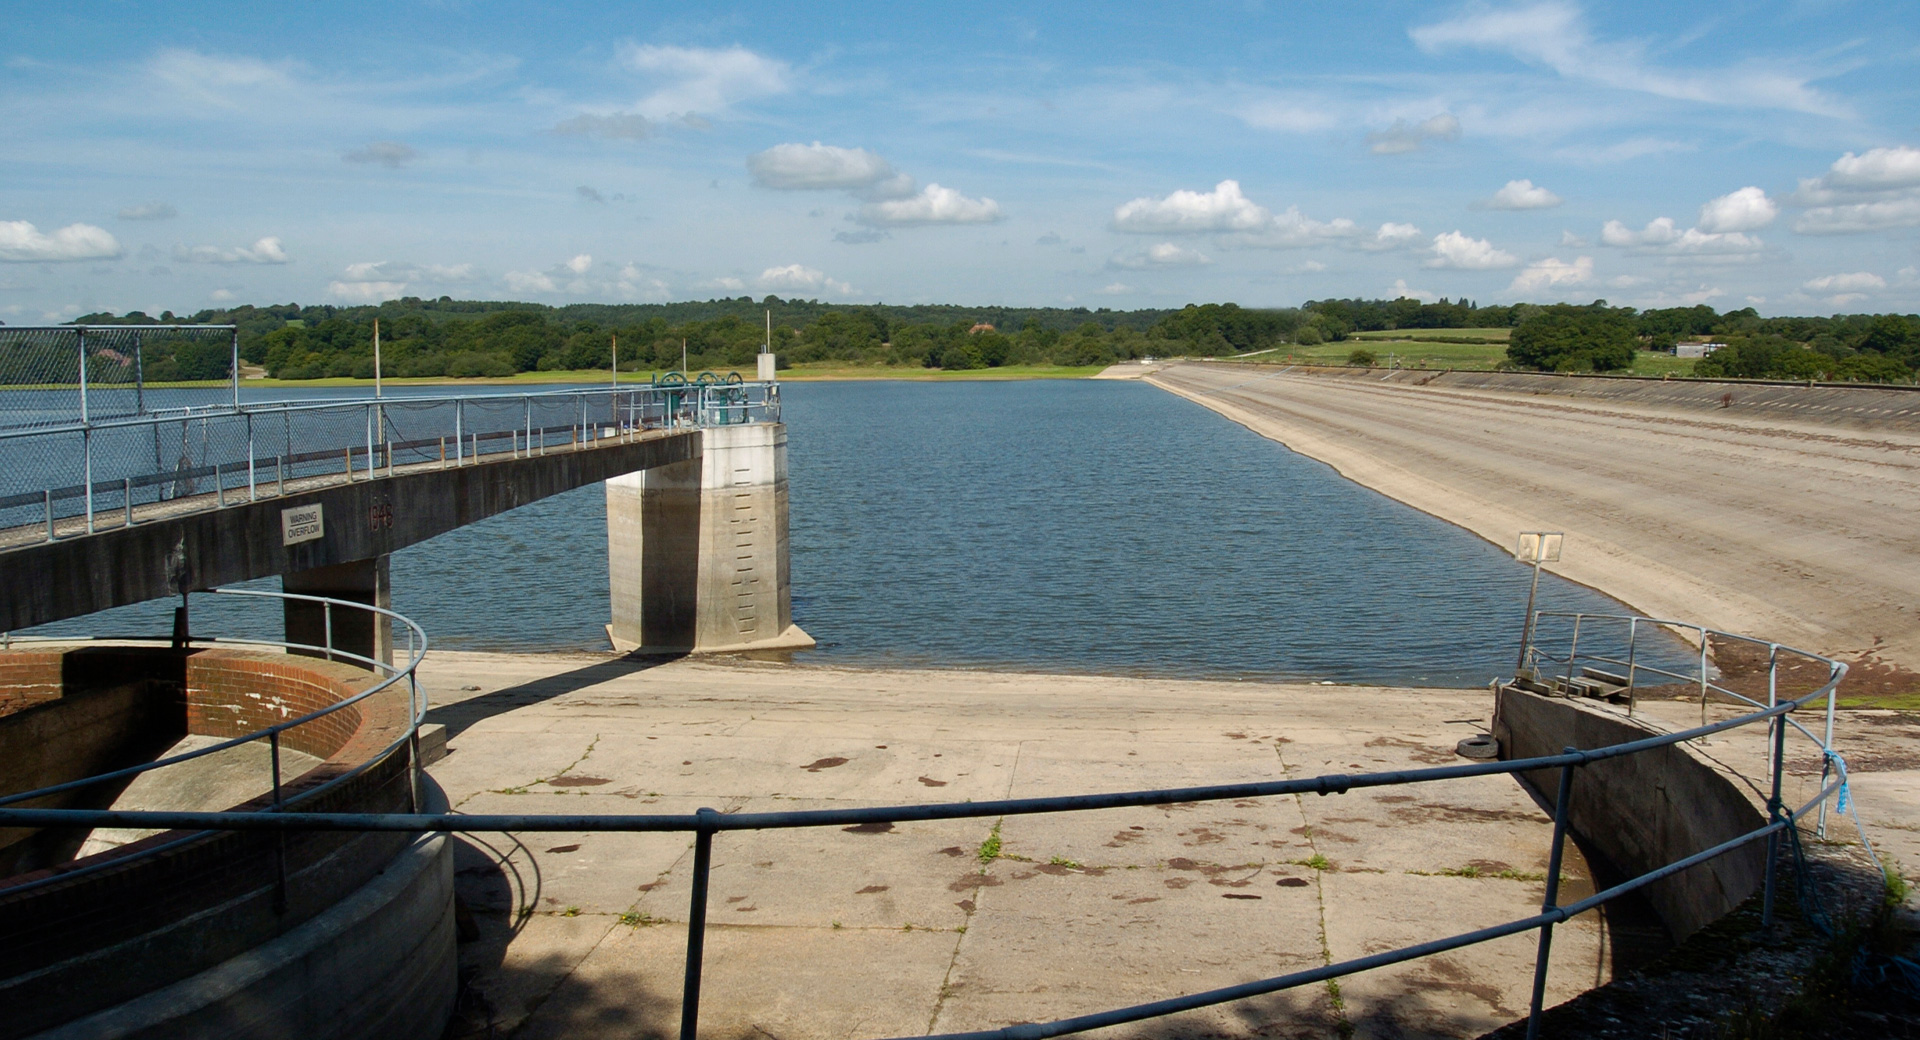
(1058,525)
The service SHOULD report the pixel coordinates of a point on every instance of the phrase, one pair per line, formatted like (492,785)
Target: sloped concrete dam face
(175,935)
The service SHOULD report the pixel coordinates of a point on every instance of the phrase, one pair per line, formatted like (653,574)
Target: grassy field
(1470,357)
(1431,335)
(799,373)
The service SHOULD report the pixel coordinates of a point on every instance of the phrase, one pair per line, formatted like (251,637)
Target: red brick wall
(28,678)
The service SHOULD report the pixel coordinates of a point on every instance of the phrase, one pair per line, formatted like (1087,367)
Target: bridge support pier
(356,632)
(697,551)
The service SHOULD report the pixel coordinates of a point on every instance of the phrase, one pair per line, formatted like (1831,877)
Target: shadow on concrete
(458,715)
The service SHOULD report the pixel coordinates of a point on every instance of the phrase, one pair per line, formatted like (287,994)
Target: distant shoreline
(850,373)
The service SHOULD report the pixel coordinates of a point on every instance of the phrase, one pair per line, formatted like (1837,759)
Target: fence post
(370,472)
(459,413)
(86,441)
(51,536)
(326,612)
(139,379)
(1573,651)
(697,924)
(1552,899)
(126,495)
(253,494)
(234,357)
(1832,689)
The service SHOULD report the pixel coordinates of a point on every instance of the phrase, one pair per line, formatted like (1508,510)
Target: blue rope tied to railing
(1870,970)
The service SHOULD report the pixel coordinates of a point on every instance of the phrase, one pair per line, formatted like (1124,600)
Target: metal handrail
(706,822)
(417,706)
(258,455)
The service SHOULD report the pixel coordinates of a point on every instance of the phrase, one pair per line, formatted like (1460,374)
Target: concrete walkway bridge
(118,491)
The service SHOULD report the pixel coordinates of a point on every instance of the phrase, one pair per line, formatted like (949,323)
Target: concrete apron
(698,553)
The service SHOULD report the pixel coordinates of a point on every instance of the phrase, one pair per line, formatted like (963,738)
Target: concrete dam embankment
(1779,514)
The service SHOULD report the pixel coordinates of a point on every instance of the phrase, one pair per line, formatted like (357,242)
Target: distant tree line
(456,338)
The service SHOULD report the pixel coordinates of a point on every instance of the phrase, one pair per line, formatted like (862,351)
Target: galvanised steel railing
(388,676)
(76,476)
(705,823)
(1579,660)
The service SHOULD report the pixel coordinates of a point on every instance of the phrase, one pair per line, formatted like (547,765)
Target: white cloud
(1869,192)
(1288,116)
(817,167)
(1306,267)
(221,295)
(1845,299)
(933,205)
(1403,137)
(366,292)
(579,264)
(218,82)
(1456,250)
(391,154)
(705,81)
(1859,217)
(799,277)
(612,126)
(1521,194)
(1393,236)
(531,281)
(1552,273)
(1241,222)
(150,211)
(263,251)
(1877,170)
(397,272)
(1291,229)
(1162,254)
(1224,208)
(1554,35)
(1859,281)
(729,283)
(1658,232)
(1748,209)
(1116,289)
(1573,241)
(21,242)
(1621,151)
(1401,289)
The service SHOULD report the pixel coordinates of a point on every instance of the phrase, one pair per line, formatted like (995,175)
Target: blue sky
(180,156)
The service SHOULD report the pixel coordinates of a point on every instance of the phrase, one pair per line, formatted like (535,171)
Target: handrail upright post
(253,494)
(326,611)
(1573,651)
(459,415)
(1633,645)
(1552,898)
(1833,687)
(51,536)
(280,842)
(86,442)
(1703,674)
(370,473)
(1773,684)
(1774,816)
(697,924)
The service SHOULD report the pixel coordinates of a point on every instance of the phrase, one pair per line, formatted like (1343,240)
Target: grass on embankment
(1424,352)
(798,373)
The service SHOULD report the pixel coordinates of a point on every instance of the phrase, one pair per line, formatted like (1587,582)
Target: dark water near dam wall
(1059,525)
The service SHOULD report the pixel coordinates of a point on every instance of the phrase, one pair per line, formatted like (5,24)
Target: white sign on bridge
(301,524)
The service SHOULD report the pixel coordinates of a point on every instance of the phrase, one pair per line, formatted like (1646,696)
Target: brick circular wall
(157,914)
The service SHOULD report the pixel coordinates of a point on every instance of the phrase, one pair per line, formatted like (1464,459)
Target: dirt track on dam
(1790,528)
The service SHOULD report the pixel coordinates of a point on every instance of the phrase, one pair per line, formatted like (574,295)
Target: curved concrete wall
(1641,811)
(157,916)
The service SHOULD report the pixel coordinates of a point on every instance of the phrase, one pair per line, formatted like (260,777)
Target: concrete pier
(697,551)
(354,631)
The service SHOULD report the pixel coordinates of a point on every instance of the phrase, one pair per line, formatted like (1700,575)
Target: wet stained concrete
(902,929)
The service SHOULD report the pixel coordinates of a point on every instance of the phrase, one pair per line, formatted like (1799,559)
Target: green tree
(1564,338)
